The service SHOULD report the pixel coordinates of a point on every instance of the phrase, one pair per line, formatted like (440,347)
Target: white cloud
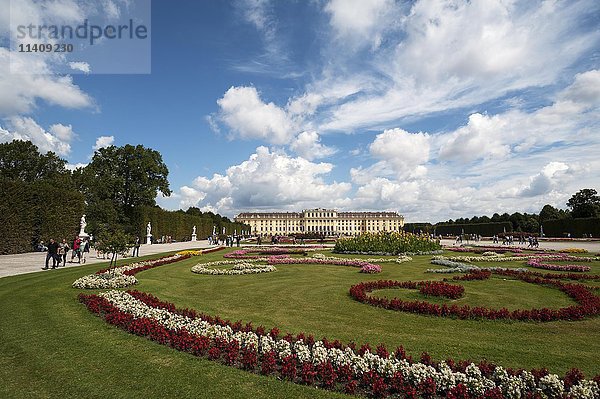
(266,180)
(73,166)
(80,66)
(57,139)
(360,21)
(447,56)
(404,152)
(19,92)
(308,145)
(103,141)
(248,117)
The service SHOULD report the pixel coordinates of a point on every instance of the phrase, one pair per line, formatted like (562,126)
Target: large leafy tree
(585,203)
(22,161)
(120,179)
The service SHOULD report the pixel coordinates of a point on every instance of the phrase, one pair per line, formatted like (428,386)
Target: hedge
(577,227)
(483,229)
(179,224)
(31,212)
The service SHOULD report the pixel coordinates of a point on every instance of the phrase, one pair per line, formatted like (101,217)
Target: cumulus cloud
(266,180)
(20,92)
(57,139)
(103,141)
(248,117)
(405,152)
(308,145)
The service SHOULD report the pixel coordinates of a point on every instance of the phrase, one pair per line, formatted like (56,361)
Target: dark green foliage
(21,161)
(576,227)
(179,224)
(392,243)
(585,204)
(31,212)
(483,229)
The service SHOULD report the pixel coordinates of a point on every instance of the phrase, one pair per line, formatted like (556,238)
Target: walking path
(11,265)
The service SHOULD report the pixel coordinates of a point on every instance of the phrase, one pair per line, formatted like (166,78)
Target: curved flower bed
(336,262)
(371,269)
(441,289)
(123,276)
(483,258)
(588,303)
(538,262)
(237,269)
(327,364)
(269,251)
(399,259)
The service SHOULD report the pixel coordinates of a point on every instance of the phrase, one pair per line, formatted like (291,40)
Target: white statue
(194,231)
(149,229)
(82,225)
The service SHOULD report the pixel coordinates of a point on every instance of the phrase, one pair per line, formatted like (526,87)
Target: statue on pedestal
(194,234)
(82,225)
(149,233)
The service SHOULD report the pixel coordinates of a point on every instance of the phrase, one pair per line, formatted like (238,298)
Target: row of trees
(583,204)
(116,191)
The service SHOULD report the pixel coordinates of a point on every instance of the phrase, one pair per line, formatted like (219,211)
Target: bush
(386,242)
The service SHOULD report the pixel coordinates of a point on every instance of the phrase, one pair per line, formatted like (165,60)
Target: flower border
(328,364)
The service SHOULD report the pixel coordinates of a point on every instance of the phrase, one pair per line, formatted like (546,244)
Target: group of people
(57,252)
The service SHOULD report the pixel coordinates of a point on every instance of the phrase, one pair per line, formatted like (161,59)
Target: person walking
(136,247)
(63,250)
(84,250)
(52,254)
(76,250)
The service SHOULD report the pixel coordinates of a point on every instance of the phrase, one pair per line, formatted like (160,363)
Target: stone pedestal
(149,239)
(194,237)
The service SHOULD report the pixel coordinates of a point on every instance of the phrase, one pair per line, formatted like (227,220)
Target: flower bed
(123,276)
(327,364)
(538,262)
(336,262)
(588,303)
(237,269)
(371,269)
(399,259)
(441,289)
(394,243)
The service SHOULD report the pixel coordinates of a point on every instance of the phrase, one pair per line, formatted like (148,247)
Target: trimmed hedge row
(483,229)
(31,212)
(179,224)
(577,227)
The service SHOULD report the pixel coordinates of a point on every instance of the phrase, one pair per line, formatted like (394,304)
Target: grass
(51,346)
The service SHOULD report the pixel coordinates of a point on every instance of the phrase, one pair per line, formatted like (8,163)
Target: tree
(115,242)
(22,161)
(549,212)
(585,204)
(122,178)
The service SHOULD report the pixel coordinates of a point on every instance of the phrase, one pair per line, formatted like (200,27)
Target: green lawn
(51,346)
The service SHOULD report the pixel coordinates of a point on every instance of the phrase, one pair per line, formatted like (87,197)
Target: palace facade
(324,221)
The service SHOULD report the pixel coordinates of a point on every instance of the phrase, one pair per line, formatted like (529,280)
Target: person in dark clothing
(52,254)
(136,247)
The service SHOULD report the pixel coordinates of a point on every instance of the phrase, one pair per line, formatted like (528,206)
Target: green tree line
(41,199)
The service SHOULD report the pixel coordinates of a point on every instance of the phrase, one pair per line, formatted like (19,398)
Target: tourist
(63,250)
(237,240)
(52,254)
(76,250)
(136,247)
(84,250)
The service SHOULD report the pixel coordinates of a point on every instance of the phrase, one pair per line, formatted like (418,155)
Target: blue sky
(434,109)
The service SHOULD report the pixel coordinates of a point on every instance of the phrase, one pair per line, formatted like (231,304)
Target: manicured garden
(52,346)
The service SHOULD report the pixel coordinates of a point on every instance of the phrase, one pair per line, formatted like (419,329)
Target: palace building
(323,221)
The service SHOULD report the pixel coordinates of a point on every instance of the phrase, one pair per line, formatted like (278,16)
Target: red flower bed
(325,375)
(588,303)
(475,275)
(442,289)
(538,263)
